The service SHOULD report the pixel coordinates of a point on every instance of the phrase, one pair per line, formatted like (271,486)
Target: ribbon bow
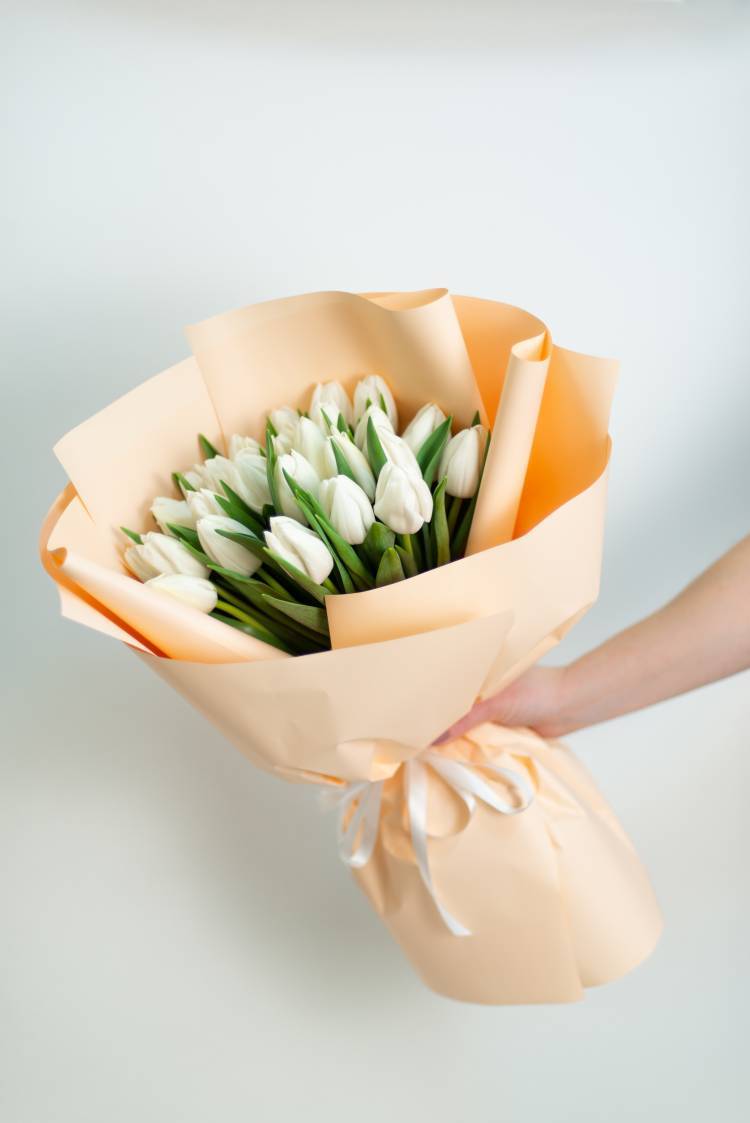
(357,829)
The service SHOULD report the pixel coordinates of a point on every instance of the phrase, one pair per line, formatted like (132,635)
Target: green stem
(454,511)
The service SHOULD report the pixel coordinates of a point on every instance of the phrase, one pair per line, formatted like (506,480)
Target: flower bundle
(438,507)
(336,502)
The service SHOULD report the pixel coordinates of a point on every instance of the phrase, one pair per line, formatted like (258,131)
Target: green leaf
(408,564)
(439,524)
(410,544)
(454,510)
(383,404)
(271,459)
(184,485)
(476,420)
(317,592)
(302,497)
(342,463)
(326,420)
(236,507)
(425,537)
(390,569)
(253,596)
(375,452)
(132,534)
(429,454)
(379,539)
(185,534)
(251,628)
(271,428)
(342,426)
(249,540)
(311,617)
(325,529)
(208,450)
(461,537)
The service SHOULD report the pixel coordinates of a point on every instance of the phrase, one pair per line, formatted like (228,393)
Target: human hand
(534,700)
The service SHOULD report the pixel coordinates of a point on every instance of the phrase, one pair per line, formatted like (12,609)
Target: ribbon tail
(417,804)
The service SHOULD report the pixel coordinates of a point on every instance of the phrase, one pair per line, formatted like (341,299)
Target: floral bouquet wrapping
(400,508)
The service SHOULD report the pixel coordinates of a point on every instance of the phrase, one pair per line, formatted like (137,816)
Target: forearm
(701,636)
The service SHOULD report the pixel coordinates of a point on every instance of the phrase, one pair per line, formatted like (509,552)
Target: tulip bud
(246,476)
(284,421)
(422,425)
(218,470)
(380,420)
(398,452)
(223,551)
(315,448)
(203,503)
(358,463)
(194,477)
(403,501)
(299,546)
(175,511)
(294,464)
(253,472)
(461,461)
(195,591)
(371,389)
(238,444)
(157,554)
(348,508)
(331,398)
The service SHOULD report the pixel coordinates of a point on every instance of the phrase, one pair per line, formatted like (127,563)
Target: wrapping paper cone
(549,893)
(570,905)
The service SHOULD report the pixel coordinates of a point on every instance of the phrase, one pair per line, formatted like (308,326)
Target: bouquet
(399,508)
(334,503)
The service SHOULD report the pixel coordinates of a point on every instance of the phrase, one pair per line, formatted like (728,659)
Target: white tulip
(239,444)
(301,470)
(285,422)
(315,448)
(331,398)
(370,389)
(158,553)
(195,591)
(299,546)
(357,462)
(398,452)
(203,503)
(218,470)
(380,420)
(223,551)
(175,511)
(402,501)
(253,471)
(422,425)
(194,477)
(348,508)
(461,461)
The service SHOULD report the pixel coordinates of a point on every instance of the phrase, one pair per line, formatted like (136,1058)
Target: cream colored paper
(541,891)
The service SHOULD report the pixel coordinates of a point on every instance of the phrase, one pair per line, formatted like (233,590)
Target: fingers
(475,716)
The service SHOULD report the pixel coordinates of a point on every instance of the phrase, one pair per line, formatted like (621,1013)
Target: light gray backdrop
(178,941)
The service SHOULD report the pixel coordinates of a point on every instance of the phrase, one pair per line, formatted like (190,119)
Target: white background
(178,941)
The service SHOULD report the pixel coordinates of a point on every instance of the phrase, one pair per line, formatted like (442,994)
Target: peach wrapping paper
(555,897)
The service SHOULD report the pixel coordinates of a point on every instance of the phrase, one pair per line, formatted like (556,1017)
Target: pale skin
(701,636)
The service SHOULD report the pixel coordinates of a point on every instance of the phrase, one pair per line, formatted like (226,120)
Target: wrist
(560,717)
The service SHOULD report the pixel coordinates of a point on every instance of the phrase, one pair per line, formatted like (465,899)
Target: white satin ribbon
(356,837)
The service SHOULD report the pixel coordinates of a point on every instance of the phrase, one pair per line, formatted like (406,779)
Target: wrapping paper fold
(555,897)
